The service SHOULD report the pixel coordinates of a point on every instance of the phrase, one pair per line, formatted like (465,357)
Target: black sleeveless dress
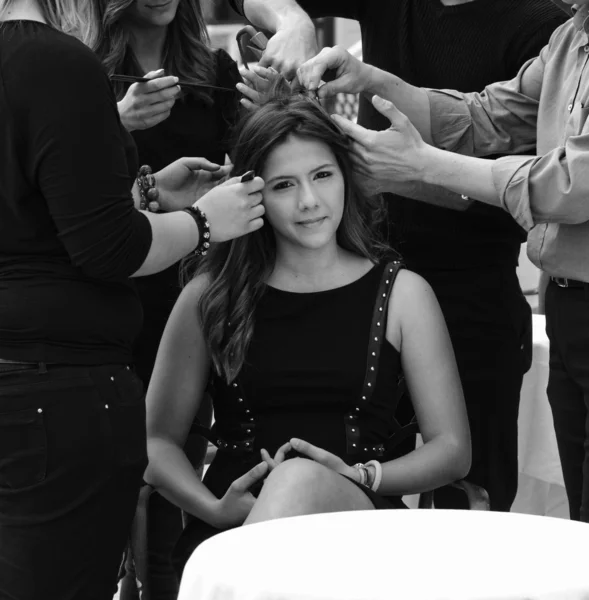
(320,369)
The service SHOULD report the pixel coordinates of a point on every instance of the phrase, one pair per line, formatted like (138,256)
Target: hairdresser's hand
(327,459)
(147,104)
(257,83)
(186,180)
(383,159)
(352,76)
(290,47)
(279,457)
(233,208)
(234,507)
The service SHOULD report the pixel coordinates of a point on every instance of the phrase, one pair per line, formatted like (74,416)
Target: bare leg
(303,487)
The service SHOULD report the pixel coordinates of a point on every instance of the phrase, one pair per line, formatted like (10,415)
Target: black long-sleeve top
(69,233)
(463,47)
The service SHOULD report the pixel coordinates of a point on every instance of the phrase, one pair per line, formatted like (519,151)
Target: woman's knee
(297,473)
(295,487)
(300,486)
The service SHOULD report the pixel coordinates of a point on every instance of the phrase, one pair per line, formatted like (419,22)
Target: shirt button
(570,107)
(464,197)
(586,48)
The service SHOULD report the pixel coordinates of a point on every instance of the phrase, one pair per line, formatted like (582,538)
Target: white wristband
(377,474)
(361,468)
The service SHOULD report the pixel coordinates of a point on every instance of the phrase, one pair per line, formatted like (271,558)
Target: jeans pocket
(23,449)
(128,420)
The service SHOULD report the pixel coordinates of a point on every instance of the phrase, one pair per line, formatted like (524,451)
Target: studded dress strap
(375,342)
(245,421)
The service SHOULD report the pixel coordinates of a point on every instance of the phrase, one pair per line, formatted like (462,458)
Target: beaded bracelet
(204,229)
(148,192)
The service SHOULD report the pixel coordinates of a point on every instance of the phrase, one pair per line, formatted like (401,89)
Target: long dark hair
(238,269)
(187,54)
(69,16)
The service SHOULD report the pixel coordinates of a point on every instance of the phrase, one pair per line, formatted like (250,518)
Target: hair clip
(312,95)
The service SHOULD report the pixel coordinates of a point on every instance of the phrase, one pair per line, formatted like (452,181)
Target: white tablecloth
(541,487)
(404,554)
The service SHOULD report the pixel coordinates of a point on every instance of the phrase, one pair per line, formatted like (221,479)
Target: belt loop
(42,369)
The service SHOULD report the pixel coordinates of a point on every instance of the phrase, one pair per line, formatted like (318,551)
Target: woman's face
(153,13)
(304,193)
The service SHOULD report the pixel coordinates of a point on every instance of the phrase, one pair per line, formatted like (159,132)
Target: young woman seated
(302,331)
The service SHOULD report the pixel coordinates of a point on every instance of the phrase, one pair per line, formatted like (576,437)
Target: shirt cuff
(449,119)
(511,176)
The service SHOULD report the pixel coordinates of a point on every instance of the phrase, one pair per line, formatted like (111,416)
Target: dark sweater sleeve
(533,35)
(347,9)
(76,156)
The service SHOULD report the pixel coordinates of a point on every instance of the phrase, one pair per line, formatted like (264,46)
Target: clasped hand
(319,455)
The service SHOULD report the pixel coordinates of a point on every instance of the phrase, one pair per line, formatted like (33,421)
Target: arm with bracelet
(229,210)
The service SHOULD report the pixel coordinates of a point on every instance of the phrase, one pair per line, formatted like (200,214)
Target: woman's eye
(282,185)
(323,174)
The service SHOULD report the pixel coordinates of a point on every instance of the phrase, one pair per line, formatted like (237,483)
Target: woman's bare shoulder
(409,284)
(412,299)
(192,293)
(198,285)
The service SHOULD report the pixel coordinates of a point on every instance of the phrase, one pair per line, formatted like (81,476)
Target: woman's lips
(311,222)
(159,6)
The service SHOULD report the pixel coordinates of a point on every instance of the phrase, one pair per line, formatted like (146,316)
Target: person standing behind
(72,409)
(166,122)
(467,251)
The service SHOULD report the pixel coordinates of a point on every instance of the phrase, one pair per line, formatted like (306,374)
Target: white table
(541,486)
(394,554)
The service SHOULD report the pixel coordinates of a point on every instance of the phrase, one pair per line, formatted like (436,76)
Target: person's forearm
(171,473)
(465,175)
(435,464)
(174,236)
(430,194)
(410,100)
(274,15)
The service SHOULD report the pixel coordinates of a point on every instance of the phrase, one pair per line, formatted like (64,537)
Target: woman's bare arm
(417,328)
(179,378)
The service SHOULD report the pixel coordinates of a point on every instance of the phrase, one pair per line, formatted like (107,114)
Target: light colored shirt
(544,107)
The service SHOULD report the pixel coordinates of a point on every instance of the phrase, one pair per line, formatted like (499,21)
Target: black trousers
(490,326)
(164,528)
(72,457)
(567,326)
